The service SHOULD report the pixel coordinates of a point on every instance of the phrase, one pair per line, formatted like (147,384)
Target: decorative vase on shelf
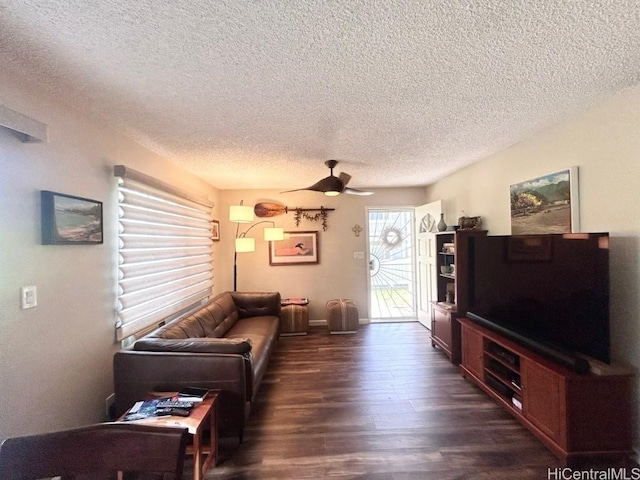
(442,226)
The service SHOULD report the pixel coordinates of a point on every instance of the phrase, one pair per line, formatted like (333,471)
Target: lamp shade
(273,234)
(245,244)
(241,214)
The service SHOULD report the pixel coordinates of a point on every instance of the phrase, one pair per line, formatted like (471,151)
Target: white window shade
(165,251)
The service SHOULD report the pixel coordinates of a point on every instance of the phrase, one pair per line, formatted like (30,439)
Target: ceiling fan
(332,185)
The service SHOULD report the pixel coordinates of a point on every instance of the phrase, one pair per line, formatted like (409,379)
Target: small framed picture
(215,230)
(70,220)
(297,248)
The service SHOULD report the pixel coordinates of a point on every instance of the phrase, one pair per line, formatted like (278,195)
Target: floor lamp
(244,214)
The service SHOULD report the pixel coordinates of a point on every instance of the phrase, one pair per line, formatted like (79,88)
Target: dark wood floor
(379,405)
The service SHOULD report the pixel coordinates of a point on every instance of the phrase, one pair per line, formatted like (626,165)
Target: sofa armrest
(136,373)
(254,304)
(240,346)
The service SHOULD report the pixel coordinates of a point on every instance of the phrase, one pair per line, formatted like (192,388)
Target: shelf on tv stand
(579,417)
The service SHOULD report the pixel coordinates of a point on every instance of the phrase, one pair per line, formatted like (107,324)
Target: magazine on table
(143,409)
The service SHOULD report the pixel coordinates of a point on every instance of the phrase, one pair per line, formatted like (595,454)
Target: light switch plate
(28,297)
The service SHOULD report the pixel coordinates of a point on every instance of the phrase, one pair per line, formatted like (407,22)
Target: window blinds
(165,251)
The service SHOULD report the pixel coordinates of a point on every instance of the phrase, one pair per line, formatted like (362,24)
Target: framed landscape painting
(69,220)
(297,248)
(546,204)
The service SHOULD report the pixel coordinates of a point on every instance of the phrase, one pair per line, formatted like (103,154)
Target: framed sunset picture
(297,248)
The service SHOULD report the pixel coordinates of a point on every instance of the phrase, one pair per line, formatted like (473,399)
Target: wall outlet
(109,405)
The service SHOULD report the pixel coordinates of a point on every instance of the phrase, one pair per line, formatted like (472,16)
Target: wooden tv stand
(580,418)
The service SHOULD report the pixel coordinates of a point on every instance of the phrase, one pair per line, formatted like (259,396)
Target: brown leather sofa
(225,345)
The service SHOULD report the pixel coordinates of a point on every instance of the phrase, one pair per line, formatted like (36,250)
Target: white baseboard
(323,322)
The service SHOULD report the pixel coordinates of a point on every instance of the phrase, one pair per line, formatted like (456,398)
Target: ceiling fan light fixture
(333,186)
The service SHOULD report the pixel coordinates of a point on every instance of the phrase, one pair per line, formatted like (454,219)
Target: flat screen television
(550,289)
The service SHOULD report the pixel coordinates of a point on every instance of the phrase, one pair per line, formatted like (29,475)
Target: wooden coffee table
(202,414)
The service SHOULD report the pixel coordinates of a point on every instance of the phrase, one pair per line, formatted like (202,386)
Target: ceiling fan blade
(353,191)
(344,178)
(323,185)
(330,183)
(296,190)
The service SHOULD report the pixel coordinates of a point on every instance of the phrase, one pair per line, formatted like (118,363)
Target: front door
(391,264)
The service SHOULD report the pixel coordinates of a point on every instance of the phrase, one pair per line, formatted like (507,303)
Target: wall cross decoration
(357,229)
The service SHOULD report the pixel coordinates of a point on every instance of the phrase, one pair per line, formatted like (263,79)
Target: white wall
(55,359)
(605,144)
(338,275)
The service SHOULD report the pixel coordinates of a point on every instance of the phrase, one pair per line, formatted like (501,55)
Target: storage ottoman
(294,319)
(342,316)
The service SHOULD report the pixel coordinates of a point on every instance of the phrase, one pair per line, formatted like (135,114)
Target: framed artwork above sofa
(297,248)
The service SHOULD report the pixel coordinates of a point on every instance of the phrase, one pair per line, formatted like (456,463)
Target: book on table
(192,394)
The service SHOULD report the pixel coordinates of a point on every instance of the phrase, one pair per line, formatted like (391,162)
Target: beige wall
(55,359)
(338,275)
(605,144)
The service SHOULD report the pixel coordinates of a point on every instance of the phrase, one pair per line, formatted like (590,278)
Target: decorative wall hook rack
(266,209)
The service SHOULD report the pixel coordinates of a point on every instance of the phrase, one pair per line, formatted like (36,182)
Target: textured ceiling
(255,94)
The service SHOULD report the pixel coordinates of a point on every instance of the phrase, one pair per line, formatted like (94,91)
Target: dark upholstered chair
(93,451)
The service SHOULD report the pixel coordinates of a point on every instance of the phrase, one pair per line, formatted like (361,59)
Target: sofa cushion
(188,327)
(212,320)
(262,331)
(256,304)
